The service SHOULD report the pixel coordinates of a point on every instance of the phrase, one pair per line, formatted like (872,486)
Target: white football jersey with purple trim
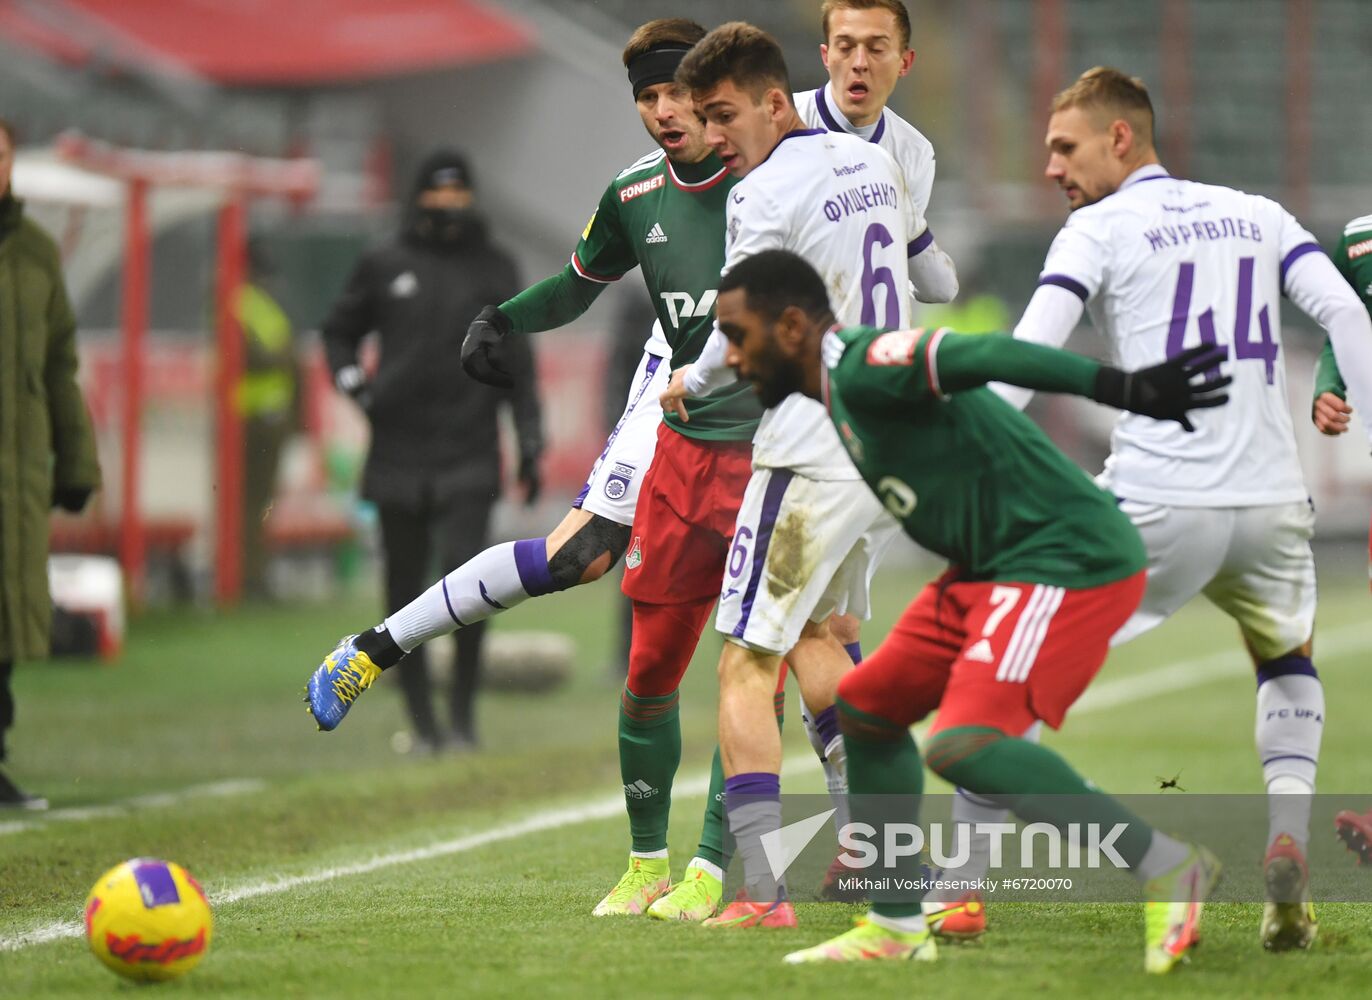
(913,153)
(1165,264)
(841,203)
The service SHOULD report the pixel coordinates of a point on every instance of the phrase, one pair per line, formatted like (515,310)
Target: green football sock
(716,843)
(1034,783)
(649,753)
(885,781)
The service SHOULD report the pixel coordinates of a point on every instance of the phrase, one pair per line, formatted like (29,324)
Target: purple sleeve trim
(531,560)
(1296,253)
(920,243)
(1071,284)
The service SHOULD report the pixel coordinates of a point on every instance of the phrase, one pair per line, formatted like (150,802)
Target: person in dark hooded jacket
(433,467)
(47,447)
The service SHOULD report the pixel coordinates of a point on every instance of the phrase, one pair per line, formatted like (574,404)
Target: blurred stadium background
(1260,94)
(194,748)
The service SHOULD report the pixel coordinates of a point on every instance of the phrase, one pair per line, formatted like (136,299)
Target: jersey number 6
(874,276)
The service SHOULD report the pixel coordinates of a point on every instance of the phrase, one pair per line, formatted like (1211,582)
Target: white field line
(1139,687)
(157,800)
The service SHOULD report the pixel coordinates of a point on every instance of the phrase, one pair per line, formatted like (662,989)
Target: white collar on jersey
(835,121)
(1147,172)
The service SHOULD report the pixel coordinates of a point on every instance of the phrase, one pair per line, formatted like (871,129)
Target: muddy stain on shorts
(790,556)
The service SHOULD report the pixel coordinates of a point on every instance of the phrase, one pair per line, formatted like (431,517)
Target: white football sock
(835,774)
(969,808)
(483,586)
(909,925)
(1164,853)
(1289,726)
(708,867)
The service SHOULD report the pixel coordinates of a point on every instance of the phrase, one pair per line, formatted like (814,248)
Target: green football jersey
(669,220)
(1353,258)
(967,475)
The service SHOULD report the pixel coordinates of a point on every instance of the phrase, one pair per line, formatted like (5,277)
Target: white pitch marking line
(1166,680)
(156,800)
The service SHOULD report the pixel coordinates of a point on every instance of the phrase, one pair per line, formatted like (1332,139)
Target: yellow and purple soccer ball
(148,919)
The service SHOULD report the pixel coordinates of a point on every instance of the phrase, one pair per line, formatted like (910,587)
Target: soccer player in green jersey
(1353,258)
(1331,413)
(1043,569)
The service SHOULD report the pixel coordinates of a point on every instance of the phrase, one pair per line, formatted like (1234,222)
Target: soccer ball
(148,919)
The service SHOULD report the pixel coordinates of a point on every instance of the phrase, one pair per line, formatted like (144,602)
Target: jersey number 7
(1263,347)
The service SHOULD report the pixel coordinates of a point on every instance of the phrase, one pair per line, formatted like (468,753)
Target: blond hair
(1109,94)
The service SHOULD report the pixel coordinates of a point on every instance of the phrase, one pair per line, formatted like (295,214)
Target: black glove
(482,345)
(1165,392)
(530,479)
(352,382)
(70,498)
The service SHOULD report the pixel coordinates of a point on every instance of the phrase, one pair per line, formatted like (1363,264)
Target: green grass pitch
(205,709)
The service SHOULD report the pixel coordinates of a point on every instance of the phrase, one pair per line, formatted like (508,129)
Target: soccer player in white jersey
(1162,263)
(866,51)
(807,536)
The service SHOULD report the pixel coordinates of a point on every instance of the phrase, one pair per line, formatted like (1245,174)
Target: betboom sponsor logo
(631,191)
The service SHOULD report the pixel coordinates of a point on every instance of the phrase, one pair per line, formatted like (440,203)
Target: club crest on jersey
(618,482)
(631,191)
(894,348)
(635,557)
(655,235)
(404,285)
(683,305)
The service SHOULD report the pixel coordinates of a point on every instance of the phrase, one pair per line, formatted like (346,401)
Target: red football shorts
(684,521)
(1001,655)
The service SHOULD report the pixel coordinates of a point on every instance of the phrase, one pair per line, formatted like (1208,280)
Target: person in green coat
(47,447)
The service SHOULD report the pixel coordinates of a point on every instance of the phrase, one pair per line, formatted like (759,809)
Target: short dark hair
(775,279)
(662,32)
(736,51)
(896,8)
(1110,94)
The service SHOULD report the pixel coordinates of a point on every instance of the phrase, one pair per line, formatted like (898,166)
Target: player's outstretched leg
(698,895)
(581,549)
(885,780)
(664,638)
(751,753)
(1177,877)
(1288,731)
